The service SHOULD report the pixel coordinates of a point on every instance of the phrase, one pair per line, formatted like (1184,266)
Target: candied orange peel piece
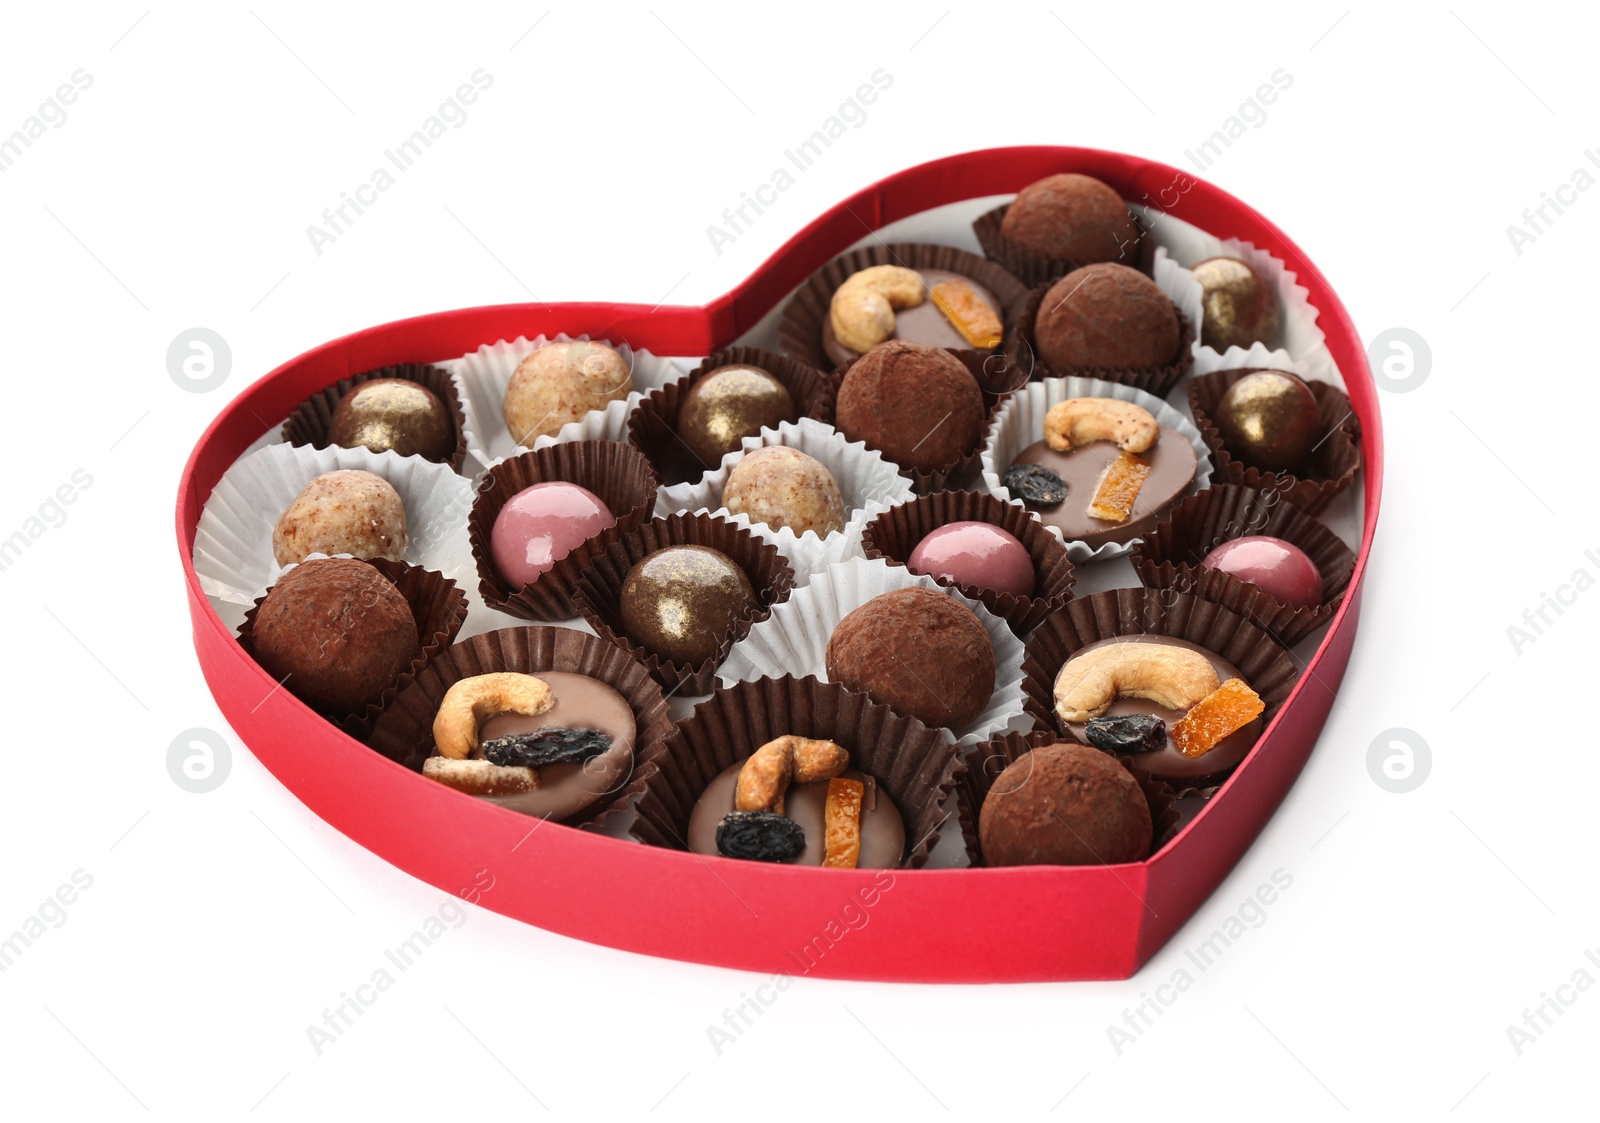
(978,324)
(1226,710)
(841,824)
(1118,488)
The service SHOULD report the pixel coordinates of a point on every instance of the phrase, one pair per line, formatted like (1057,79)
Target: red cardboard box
(954,925)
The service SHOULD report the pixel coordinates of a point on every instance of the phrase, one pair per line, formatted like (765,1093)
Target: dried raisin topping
(760,836)
(549,745)
(1038,487)
(1131,733)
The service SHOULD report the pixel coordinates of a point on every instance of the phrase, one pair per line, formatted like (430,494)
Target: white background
(1418,926)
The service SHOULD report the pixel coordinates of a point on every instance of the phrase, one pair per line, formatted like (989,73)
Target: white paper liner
(1298,334)
(482,376)
(1207,361)
(794,639)
(1180,287)
(233,544)
(1020,423)
(869,483)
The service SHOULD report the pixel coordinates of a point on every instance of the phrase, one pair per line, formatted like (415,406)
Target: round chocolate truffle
(1280,569)
(1239,306)
(975,553)
(917,405)
(919,652)
(1268,419)
(682,602)
(344,512)
(560,382)
(783,487)
(1073,218)
(542,524)
(1106,316)
(336,633)
(1064,805)
(394,414)
(729,404)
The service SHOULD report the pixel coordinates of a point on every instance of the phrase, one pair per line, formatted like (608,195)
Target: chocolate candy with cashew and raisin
(797,800)
(1210,716)
(549,745)
(1121,469)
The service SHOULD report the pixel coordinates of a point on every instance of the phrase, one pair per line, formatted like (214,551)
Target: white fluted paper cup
(233,544)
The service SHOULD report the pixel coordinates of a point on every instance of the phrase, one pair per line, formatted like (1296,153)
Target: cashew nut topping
(1174,677)
(766,775)
(468,702)
(479,777)
(863,308)
(1081,421)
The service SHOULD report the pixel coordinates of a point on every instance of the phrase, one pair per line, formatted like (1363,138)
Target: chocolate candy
(1172,466)
(1166,762)
(1038,487)
(1281,569)
(917,405)
(542,524)
(1238,305)
(1106,317)
(344,512)
(924,323)
(1064,805)
(729,404)
(783,487)
(336,633)
(919,652)
(394,414)
(1073,218)
(559,383)
(1268,419)
(566,789)
(975,553)
(682,602)
(882,831)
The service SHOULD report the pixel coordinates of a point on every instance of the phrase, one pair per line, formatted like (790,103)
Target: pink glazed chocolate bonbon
(1280,569)
(543,524)
(975,553)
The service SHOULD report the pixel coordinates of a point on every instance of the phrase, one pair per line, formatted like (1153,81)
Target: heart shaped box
(951,925)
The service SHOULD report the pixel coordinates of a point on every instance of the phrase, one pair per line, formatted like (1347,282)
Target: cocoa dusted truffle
(1064,805)
(783,487)
(917,405)
(336,633)
(919,652)
(1106,316)
(394,415)
(344,512)
(1073,218)
(682,602)
(559,383)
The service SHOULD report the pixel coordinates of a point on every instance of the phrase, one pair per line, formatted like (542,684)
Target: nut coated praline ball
(917,405)
(1107,316)
(560,382)
(1268,419)
(1074,218)
(919,652)
(1238,305)
(394,414)
(343,512)
(682,602)
(783,487)
(729,404)
(1064,805)
(336,633)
